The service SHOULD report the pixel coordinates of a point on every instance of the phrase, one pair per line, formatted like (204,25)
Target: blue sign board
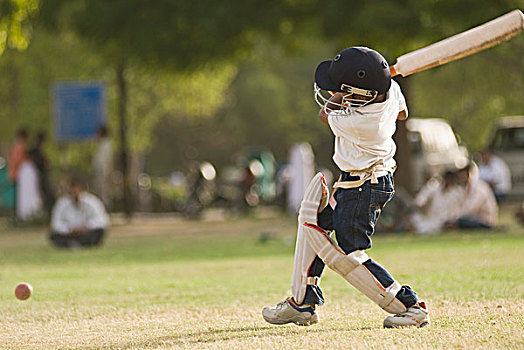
(78,109)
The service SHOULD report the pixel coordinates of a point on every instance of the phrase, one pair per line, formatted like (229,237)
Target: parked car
(435,148)
(507,142)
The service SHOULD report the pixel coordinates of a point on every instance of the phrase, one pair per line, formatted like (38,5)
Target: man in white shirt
(78,219)
(478,208)
(362,113)
(437,202)
(496,173)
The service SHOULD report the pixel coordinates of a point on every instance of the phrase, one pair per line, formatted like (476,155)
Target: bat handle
(393,71)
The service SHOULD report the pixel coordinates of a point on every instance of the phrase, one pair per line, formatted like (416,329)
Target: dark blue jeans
(471,223)
(91,238)
(353,221)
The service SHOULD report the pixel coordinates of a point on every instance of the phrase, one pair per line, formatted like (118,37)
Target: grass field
(168,283)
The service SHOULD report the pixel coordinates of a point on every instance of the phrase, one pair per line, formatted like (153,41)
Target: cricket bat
(460,45)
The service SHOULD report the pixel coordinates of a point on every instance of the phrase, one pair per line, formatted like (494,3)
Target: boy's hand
(403,115)
(337,101)
(334,103)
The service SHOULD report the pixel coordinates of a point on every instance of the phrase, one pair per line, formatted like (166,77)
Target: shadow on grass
(225,334)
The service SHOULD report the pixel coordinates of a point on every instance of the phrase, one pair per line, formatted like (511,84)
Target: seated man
(478,209)
(436,203)
(496,173)
(78,219)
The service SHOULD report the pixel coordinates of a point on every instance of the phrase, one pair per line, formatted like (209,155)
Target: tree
(180,35)
(175,34)
(15,23)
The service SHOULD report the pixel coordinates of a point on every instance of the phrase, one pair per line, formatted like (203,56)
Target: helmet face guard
(355,98)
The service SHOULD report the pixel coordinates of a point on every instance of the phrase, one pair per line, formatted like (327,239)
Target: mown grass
(168,283)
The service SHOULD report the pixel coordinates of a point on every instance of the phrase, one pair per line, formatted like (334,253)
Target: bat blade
(460,45)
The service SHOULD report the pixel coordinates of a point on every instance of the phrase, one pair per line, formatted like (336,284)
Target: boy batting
(362,114)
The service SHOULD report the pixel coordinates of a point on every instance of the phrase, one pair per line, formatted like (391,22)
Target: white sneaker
(288,311)
(417,315)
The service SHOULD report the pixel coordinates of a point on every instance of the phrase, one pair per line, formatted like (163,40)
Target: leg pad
(351,268)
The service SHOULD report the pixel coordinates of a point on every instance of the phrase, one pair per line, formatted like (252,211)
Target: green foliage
(27,80)
(268,105)
(397,27)
(155,94)
(174,34)
(15,23)
(209,79)
(25,90)
(273,104)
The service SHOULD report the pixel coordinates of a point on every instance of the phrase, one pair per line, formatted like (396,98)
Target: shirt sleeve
(58,222)
(504,183)
(402,106)
(475,199)
(427,192)
(96,216)
(336,121)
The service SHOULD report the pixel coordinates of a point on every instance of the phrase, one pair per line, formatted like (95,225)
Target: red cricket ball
(23,291)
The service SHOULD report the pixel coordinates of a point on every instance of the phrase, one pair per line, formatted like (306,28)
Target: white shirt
(441,205)
(28,200)
(365,136)
(439,201)
(88,212)
(479,203)
(103,159)
(302,169)
(496,173)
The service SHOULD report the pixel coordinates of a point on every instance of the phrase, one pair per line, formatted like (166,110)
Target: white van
(507,142)
(435,148)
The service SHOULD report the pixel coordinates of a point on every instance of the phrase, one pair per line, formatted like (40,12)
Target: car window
(509,138)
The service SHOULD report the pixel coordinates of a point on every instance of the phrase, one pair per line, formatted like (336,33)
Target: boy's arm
(403,115)
(96,215)
(59,223)
(336,99)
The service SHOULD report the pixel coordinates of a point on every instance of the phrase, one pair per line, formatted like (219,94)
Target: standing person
(103,166)
(362,115)
(302,169)
(42,164)
(28,197)
(79,218)
(17,155)
(496,173)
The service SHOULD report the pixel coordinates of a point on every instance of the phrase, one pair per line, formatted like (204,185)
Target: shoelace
(281,304)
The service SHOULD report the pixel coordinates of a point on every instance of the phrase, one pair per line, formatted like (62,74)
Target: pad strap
(313,281)
(390,294)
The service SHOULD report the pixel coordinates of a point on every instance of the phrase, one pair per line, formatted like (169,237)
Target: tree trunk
(13,97)
(127,198)
(404,172)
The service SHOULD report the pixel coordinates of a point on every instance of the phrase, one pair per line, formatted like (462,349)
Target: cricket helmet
(355,67)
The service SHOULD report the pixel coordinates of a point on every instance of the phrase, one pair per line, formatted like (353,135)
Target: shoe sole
(390,325)
(303,323)
(312,320)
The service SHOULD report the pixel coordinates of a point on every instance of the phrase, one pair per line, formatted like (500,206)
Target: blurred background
(177,106)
